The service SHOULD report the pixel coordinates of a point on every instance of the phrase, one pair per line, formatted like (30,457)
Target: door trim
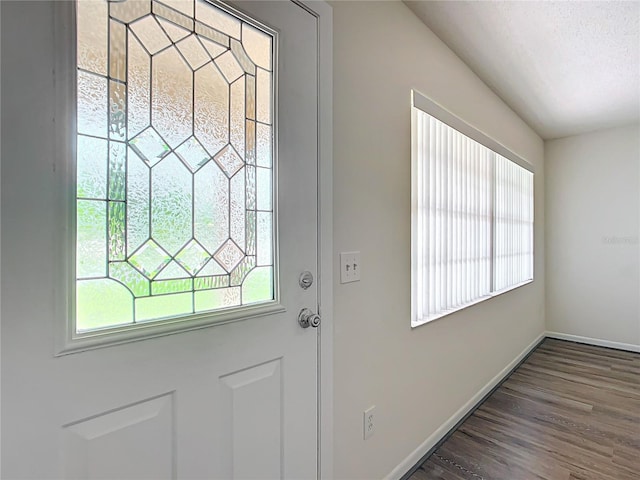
(324,18)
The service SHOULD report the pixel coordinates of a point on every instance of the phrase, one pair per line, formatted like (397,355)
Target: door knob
(306,318)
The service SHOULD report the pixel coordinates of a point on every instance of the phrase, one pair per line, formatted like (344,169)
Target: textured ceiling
(565,67)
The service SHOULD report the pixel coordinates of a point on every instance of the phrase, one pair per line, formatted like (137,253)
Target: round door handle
(306,318)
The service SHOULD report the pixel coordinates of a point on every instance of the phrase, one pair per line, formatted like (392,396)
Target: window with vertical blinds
(472,215)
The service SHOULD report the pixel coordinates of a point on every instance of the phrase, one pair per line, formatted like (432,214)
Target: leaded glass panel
(174,161)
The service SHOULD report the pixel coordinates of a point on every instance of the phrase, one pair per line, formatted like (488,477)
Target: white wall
(593,261)
(416,378)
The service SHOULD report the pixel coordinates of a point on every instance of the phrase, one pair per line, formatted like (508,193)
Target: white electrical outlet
(369,421)
(350,267)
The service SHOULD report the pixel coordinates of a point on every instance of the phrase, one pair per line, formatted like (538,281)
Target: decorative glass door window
(175,159)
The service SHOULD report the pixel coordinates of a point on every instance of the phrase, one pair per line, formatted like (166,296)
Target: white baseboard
(436,436)
(594,341)
(409,462)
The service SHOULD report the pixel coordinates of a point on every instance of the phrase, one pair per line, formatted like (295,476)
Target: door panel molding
(245,455)
(131,433)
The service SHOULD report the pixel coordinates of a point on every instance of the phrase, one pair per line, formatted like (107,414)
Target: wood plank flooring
(571,411)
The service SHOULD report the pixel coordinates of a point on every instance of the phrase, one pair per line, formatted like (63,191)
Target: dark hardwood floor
(570,411)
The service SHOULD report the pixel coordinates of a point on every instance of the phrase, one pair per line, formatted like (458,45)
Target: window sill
(431,318)
(118,335)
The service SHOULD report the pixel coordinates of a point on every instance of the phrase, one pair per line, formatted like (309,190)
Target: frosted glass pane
(211,108)
(228,256)
(172,97)
(92,36)
(171,271)
(149,146)
(237,210)
(171,204)
(129,10)
(184,6)
(193,51)
(159,287)
(229,161)
(240,272)
(192,257)
(251,96)
(264,145)
(208,283)
(117,170)
(150,259)
(117,111)
(264,236)
(237,133)
(91,251)
(216,299)
(139,84)
(258,46)
(251,232)
(117,51)
(258,286)
(229,66)
(151,36)
(192,154)
(174,31)
(212,268)
(92,104)
(251,187)
(263,96)
(116,231)
(241,56)
(264,188)
(250,142)
(218,19)
(168,152)
(177,17)
(214,49)
(137,202)
(211,206)
(150,308)
(211,34)
(102,303)
(92,167)
(137,283)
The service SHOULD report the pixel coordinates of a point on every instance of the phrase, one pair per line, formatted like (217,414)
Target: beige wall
(417,378)
(593,261)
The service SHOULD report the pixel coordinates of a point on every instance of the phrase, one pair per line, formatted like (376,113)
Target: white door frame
(324,17)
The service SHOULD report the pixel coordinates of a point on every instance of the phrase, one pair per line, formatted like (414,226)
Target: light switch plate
(369,421)
(350,267)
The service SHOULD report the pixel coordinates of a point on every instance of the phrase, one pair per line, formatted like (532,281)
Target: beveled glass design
(175,161)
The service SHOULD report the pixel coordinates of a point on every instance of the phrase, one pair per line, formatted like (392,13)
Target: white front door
(232,400)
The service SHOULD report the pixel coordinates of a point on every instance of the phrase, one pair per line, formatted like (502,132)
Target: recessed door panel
(136,441)
(251,402)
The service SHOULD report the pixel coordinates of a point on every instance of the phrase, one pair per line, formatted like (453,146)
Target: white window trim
(429,106)
(67,339)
